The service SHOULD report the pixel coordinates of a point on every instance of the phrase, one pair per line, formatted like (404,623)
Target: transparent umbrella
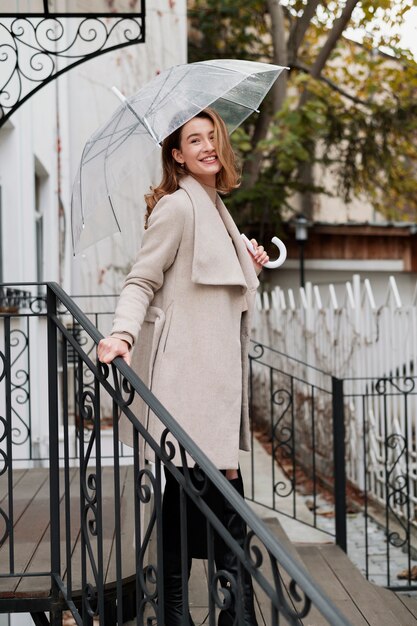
(123,146)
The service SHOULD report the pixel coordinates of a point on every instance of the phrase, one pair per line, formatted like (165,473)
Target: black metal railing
(382,465)
(298,412)
(23,316)
(349,447)
(106,530)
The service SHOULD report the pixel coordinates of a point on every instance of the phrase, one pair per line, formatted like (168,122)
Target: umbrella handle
(277,242)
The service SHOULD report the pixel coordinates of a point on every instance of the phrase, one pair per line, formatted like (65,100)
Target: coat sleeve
(158,251)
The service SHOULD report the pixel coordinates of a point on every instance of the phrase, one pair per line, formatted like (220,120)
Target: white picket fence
(351,336)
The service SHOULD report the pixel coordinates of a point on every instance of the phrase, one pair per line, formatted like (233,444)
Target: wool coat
(185,307)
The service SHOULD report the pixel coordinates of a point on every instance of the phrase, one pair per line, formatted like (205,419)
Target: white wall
(32,137)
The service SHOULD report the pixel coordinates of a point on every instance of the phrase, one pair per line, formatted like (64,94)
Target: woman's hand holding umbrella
(259,256)
(254,249)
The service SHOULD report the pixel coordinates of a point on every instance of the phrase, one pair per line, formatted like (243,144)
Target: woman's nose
(208,145)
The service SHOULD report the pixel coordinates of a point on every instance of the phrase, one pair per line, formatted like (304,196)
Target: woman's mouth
(209,159)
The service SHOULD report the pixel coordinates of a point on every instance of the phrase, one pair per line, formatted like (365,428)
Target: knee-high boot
(173,599)
(226,560)
(173,596)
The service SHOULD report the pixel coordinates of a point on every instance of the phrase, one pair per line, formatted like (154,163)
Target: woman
(185,309)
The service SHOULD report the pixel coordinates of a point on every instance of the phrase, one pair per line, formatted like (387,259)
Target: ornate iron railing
(37,47)
(23,318)
(298,411)
(310,421)
(86,568)
(386,464)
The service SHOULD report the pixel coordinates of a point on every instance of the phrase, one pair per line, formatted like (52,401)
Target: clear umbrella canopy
(122,146)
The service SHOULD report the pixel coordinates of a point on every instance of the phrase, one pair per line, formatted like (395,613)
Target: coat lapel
(220,256)
(245,261)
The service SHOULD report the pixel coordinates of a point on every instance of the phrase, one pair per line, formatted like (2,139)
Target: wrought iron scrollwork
(124,390)
(257,352)
(290,597)
(147,573)
(19,384)
(197,481)
(4,461)
(397,487)
(224,588)
(6,523)
(35,49)
(384,386)
(252,552)
(167,447)
(283,437)
(90,498)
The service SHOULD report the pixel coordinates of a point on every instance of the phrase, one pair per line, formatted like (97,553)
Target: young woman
(184,316)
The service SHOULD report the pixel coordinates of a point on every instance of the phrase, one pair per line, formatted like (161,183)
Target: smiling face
(197,150)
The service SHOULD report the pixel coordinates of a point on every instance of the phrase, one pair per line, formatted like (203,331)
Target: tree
(350,107)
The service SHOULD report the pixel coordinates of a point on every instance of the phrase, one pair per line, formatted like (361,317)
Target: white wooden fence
(348,335)
(352,336)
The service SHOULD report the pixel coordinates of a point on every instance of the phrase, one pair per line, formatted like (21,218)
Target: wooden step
(362,603)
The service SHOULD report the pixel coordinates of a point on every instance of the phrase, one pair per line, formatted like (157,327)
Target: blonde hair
(227,179)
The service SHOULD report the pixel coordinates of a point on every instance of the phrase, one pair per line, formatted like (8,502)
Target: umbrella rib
(122,130)
(142,120)
(122,139)
(168,95)
(118,140)
(105,179)
(245,106)
(160,89)
(81,195)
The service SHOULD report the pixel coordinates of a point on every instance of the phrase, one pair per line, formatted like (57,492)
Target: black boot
(173,608)
(226,560)
(173,600)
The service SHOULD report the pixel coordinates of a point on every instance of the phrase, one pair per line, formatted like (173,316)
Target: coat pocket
(153,327)
(167,326)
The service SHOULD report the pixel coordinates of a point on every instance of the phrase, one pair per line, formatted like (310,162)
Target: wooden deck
(32,531)
(361,602)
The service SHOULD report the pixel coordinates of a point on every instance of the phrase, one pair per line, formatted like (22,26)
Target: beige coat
(186,307)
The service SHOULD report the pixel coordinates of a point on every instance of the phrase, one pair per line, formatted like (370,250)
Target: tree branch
(332,85)
(299,29)
(306,175)
(334,36)
(278,92)
(279,88)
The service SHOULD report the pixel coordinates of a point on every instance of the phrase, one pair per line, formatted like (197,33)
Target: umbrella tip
(118,93)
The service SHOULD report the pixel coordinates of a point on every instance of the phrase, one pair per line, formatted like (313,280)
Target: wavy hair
(227,179)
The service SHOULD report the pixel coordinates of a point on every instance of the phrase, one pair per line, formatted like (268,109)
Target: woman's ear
(177,155)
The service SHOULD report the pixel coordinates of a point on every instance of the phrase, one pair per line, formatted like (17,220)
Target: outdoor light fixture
(302,225)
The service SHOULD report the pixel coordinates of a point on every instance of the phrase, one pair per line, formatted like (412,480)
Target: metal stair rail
(287,587)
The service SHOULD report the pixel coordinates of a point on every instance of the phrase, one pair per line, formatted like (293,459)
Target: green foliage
(360,117)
